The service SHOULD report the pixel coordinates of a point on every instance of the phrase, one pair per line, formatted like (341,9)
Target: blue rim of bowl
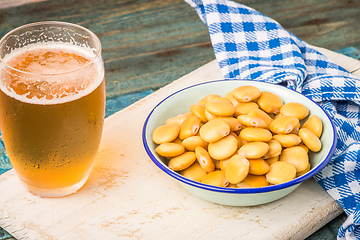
(271,188)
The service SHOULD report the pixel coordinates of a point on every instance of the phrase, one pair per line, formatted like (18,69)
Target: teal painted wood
(115,104)
(351,52)
(329,231)
(4,235)
(5,164)
(150,43)
(155,42)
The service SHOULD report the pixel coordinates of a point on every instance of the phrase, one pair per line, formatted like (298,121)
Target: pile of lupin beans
(248,138)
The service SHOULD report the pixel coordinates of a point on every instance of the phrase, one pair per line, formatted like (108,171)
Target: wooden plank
(127,196)
(141,42)
(154,42)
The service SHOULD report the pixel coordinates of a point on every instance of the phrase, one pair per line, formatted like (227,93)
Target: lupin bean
(284,124)
(253,181)
(192,142)
(242,141)
(233,100)
(287,140)
(281,172)
(254,150)
(195,172)
(256,134)
(199,111)
(188,114)
(237,169)
(255,112)
(216,178)
(220,108)
(178,141)
(204,159)
(189,127)
(209,116)
(298,174)
(207,98)
(258,166)
(220,99)
(224,163)
(177,120)
(246,93)
(270,102)
(272,160)
(182,161)
(233,123)
(314,124)
(294,109)
(165,133)
(304,147)
(310,139)
(214,130)
(237,139)
(245,108)
(297,156)
(296,129)
(275,149)
(169,149)
(251,121)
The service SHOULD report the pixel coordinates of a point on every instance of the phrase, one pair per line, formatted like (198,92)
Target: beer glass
(52,104)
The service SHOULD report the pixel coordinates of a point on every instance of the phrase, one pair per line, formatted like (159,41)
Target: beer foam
(51,73)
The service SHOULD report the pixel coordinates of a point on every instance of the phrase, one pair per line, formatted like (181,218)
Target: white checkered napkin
(249,45)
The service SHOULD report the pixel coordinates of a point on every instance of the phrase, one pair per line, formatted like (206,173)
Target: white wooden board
(128,197)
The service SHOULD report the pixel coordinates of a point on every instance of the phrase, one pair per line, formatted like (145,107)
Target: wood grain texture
(153,42)
(143,41)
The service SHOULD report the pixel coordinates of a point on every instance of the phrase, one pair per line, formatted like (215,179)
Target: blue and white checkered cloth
(249,45)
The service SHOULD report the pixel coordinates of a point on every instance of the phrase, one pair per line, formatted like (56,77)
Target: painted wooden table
(149,44)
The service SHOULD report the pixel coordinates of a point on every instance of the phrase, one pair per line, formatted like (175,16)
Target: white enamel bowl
(180,102)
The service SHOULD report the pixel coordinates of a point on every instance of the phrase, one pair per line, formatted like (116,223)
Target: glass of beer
(52,104)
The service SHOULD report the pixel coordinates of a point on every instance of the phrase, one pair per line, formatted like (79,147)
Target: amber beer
(52,104)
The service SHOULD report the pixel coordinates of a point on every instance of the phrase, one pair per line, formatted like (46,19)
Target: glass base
(55,192)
